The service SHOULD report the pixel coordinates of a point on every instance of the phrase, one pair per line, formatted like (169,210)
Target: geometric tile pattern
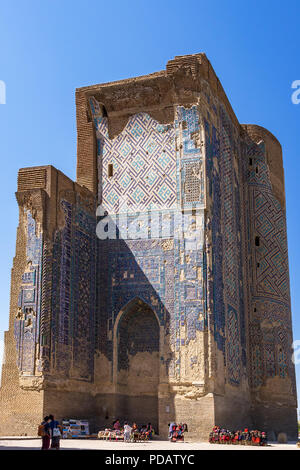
(144,164)
(148,173)
(233,346)
(215,287)
(229,229)
(232,254)
(145,269)
(224,290)
(74,293)
(190,172)
(27,320)
(271,254)
(161,167)
(270,333)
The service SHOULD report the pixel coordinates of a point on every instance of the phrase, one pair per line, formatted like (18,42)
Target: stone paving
(94,444)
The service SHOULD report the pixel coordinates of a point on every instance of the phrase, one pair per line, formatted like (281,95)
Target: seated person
(135,427)
(144,433)
(172,428)
(150,430)
(117,425)
(179,431)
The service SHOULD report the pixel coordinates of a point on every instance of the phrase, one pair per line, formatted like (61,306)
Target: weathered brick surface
(86,146)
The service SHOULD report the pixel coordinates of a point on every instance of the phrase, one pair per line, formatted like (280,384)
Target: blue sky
(50,47)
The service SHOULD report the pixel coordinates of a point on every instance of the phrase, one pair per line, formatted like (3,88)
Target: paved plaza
(156,445)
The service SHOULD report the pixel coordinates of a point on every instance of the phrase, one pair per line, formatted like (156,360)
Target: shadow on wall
(135,294)
(133,330)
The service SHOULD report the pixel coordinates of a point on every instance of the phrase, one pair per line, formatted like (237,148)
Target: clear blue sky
(50,47)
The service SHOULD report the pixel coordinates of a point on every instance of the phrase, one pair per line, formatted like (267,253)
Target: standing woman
(45,433)
(56,432)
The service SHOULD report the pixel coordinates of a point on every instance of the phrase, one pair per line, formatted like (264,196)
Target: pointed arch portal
(137,338)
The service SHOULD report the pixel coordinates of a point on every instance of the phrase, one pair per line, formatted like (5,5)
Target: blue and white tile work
(155,271)
(190,161)
(226,298)
(27,320)
(270,333)
(232,252)
(193,290)
(238,173)
(192,285)
(156,286)
(163,266)
(74,294)
(144,164)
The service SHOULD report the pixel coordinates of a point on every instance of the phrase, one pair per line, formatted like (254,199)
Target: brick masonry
(155,324)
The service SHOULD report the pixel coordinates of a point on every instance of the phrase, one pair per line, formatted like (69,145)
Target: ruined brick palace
(147,325)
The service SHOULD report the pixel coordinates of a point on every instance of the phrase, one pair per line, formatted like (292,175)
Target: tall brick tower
(173,302)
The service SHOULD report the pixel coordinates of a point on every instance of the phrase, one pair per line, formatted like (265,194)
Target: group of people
(245,437)
(129,432)
(50,431)
(176,431)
